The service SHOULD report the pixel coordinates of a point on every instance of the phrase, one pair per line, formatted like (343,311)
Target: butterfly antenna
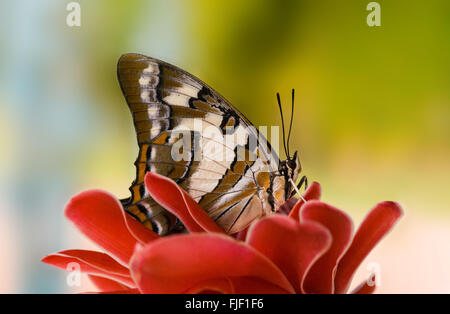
(290,124)
(282,125)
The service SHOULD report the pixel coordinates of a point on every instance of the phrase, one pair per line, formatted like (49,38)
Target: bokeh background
(371,122)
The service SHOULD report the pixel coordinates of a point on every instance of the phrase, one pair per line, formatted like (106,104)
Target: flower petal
(214,285)
(320,278)
(98,260)
(128,291)
(169,195)
(375,226)
(293,247)
(100,216)
(241,235)
(252,285)
(105,284)
(313,192)
(287,206)
(93,267)
(236,285)
(176,263)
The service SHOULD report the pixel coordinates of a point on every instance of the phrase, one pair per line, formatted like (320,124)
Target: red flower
(306,248)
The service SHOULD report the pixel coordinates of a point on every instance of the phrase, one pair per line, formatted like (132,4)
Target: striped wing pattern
(164,100)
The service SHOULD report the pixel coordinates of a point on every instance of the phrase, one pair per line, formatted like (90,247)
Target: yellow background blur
(371,121)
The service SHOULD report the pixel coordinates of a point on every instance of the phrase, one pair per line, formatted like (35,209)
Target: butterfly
(166,103)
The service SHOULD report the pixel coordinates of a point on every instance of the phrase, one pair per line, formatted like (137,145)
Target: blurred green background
(371,121)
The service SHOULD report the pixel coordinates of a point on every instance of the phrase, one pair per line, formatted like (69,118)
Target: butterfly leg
(303,180)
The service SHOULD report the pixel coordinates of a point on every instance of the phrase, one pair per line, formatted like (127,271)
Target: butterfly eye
(291,163)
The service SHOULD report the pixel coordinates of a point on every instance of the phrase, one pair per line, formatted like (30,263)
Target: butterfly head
(290,169)
(293,167)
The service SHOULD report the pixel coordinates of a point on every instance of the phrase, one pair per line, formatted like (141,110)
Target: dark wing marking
(163,100)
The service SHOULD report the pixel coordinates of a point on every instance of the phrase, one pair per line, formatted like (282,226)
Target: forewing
(170,107)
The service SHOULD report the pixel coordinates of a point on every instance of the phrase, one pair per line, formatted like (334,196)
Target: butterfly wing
(231,178)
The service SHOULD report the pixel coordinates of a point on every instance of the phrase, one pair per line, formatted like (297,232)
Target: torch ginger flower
(304,248)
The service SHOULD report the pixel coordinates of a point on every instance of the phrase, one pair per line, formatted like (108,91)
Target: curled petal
(375,226)
(177,263)
(313,192)
(320,278)
(84,262)
(293,247)
(105,284)
(100,216)
(169,195)
(98,260)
